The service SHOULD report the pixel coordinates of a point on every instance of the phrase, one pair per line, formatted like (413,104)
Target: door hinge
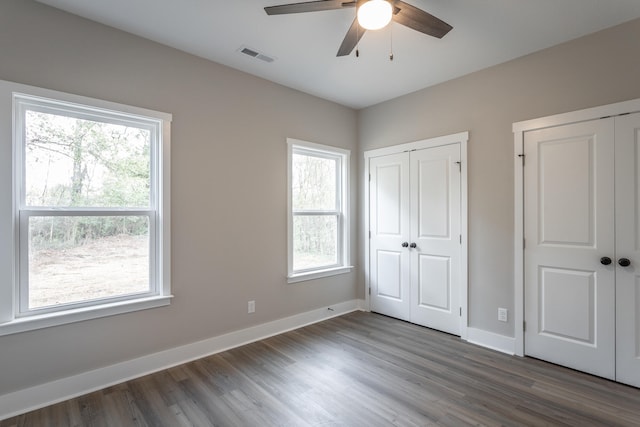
(459,166)
(522,156)
(369,233)
(524,243)
(524,326)
(369,177)
(460,311)
(461,239)
(369,290)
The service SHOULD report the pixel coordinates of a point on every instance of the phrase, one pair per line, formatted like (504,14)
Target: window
(318,214)
(90,211)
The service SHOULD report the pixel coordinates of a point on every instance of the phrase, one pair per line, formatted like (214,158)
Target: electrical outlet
(502,314)
(251,307)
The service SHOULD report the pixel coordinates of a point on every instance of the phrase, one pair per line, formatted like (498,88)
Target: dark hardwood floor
(360,369)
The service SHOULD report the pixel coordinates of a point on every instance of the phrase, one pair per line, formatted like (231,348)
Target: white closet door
(435,232)
(389,223)
(628,247)
(569,226)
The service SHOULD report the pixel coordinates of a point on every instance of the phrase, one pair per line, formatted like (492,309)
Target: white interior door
(569,226)
(389,224)
(628,246)
(435,232)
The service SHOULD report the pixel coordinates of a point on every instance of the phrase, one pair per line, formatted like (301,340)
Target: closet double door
(415,236)
(582,253)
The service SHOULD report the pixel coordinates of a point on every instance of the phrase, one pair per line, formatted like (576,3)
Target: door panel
(561,288)
(435,262)
(566,195)
(389,222)
(433,190)
(435,282)
(628,246)
(569,294)
(389,274)
(389,201)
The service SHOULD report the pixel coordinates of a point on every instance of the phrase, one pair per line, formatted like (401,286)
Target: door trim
(519,129)
(461,138)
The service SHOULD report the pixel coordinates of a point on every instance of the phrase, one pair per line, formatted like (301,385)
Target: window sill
(41,321)
(301,277)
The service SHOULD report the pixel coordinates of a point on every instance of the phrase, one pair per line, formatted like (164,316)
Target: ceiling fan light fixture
(374,14)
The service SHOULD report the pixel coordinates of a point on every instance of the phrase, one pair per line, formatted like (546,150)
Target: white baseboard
(42,395)
(490,340)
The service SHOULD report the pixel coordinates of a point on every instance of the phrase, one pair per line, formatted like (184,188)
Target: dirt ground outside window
(100,268)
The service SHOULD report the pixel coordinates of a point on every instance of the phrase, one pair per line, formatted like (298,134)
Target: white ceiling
(485,33)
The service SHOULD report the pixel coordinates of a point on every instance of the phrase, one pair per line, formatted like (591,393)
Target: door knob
(413,245)
(405,244)
(605,260)
(624,262)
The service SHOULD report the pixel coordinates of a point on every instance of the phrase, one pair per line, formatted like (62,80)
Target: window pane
(71,162)
(315,241)
(313,185)
(80,258)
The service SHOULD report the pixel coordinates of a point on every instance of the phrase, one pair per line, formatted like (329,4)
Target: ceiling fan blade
(310,6)
(352,38)
(419,20)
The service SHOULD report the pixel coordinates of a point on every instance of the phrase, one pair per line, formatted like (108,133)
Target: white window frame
(14,215)
(342,195)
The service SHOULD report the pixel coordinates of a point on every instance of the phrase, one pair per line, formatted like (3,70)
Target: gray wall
(594,70)
(228,188)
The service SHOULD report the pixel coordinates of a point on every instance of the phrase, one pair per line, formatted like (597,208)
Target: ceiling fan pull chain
(391,40)
(357,37)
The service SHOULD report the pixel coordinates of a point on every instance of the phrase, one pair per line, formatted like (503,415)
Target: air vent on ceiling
(255,54)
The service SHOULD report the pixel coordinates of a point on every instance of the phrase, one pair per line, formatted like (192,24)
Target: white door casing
(434,273)
(627,174)
(435,220)
(569,294)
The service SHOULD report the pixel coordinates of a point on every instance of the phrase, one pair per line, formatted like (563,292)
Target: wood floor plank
(361,369)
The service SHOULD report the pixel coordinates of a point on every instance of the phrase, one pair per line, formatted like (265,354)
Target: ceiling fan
(401,12)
